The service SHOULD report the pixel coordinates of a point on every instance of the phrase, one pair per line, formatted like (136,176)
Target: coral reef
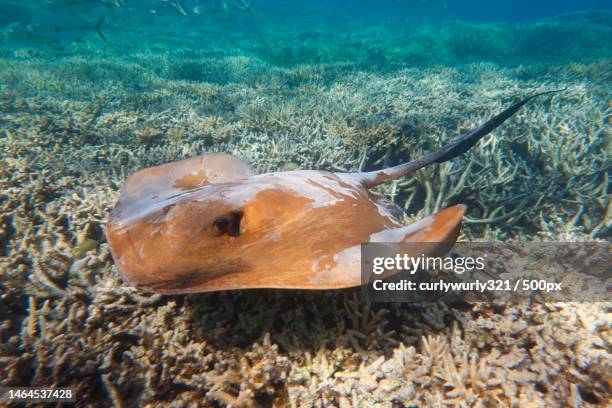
(73,127)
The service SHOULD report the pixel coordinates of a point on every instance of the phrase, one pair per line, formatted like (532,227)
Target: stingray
(209,223)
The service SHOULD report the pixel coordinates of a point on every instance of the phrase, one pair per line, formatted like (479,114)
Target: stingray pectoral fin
(431,236)
(442,227)
(161,182)
(185,175)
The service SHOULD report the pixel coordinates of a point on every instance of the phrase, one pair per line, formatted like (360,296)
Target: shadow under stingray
(301,321)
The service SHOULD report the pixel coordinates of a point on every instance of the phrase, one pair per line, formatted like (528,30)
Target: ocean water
(92,91)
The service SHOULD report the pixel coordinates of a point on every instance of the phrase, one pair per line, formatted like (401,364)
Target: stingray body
(208,223)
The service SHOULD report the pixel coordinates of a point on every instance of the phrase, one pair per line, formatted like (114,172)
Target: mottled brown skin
(291,226)
(208,224)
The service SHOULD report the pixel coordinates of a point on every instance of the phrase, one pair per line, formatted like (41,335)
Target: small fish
(177,4)
(179,7)
(52,29)
(200,7)
(208,223)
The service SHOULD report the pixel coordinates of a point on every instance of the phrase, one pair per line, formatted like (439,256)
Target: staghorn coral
(149,135)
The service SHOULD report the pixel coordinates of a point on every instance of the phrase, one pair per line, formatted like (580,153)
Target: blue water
(481,10)
(287,13)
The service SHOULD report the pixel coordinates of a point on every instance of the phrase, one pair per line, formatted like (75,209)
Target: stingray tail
(456,148)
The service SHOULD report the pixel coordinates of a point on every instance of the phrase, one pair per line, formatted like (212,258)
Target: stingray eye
(229,224)
(222,224)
